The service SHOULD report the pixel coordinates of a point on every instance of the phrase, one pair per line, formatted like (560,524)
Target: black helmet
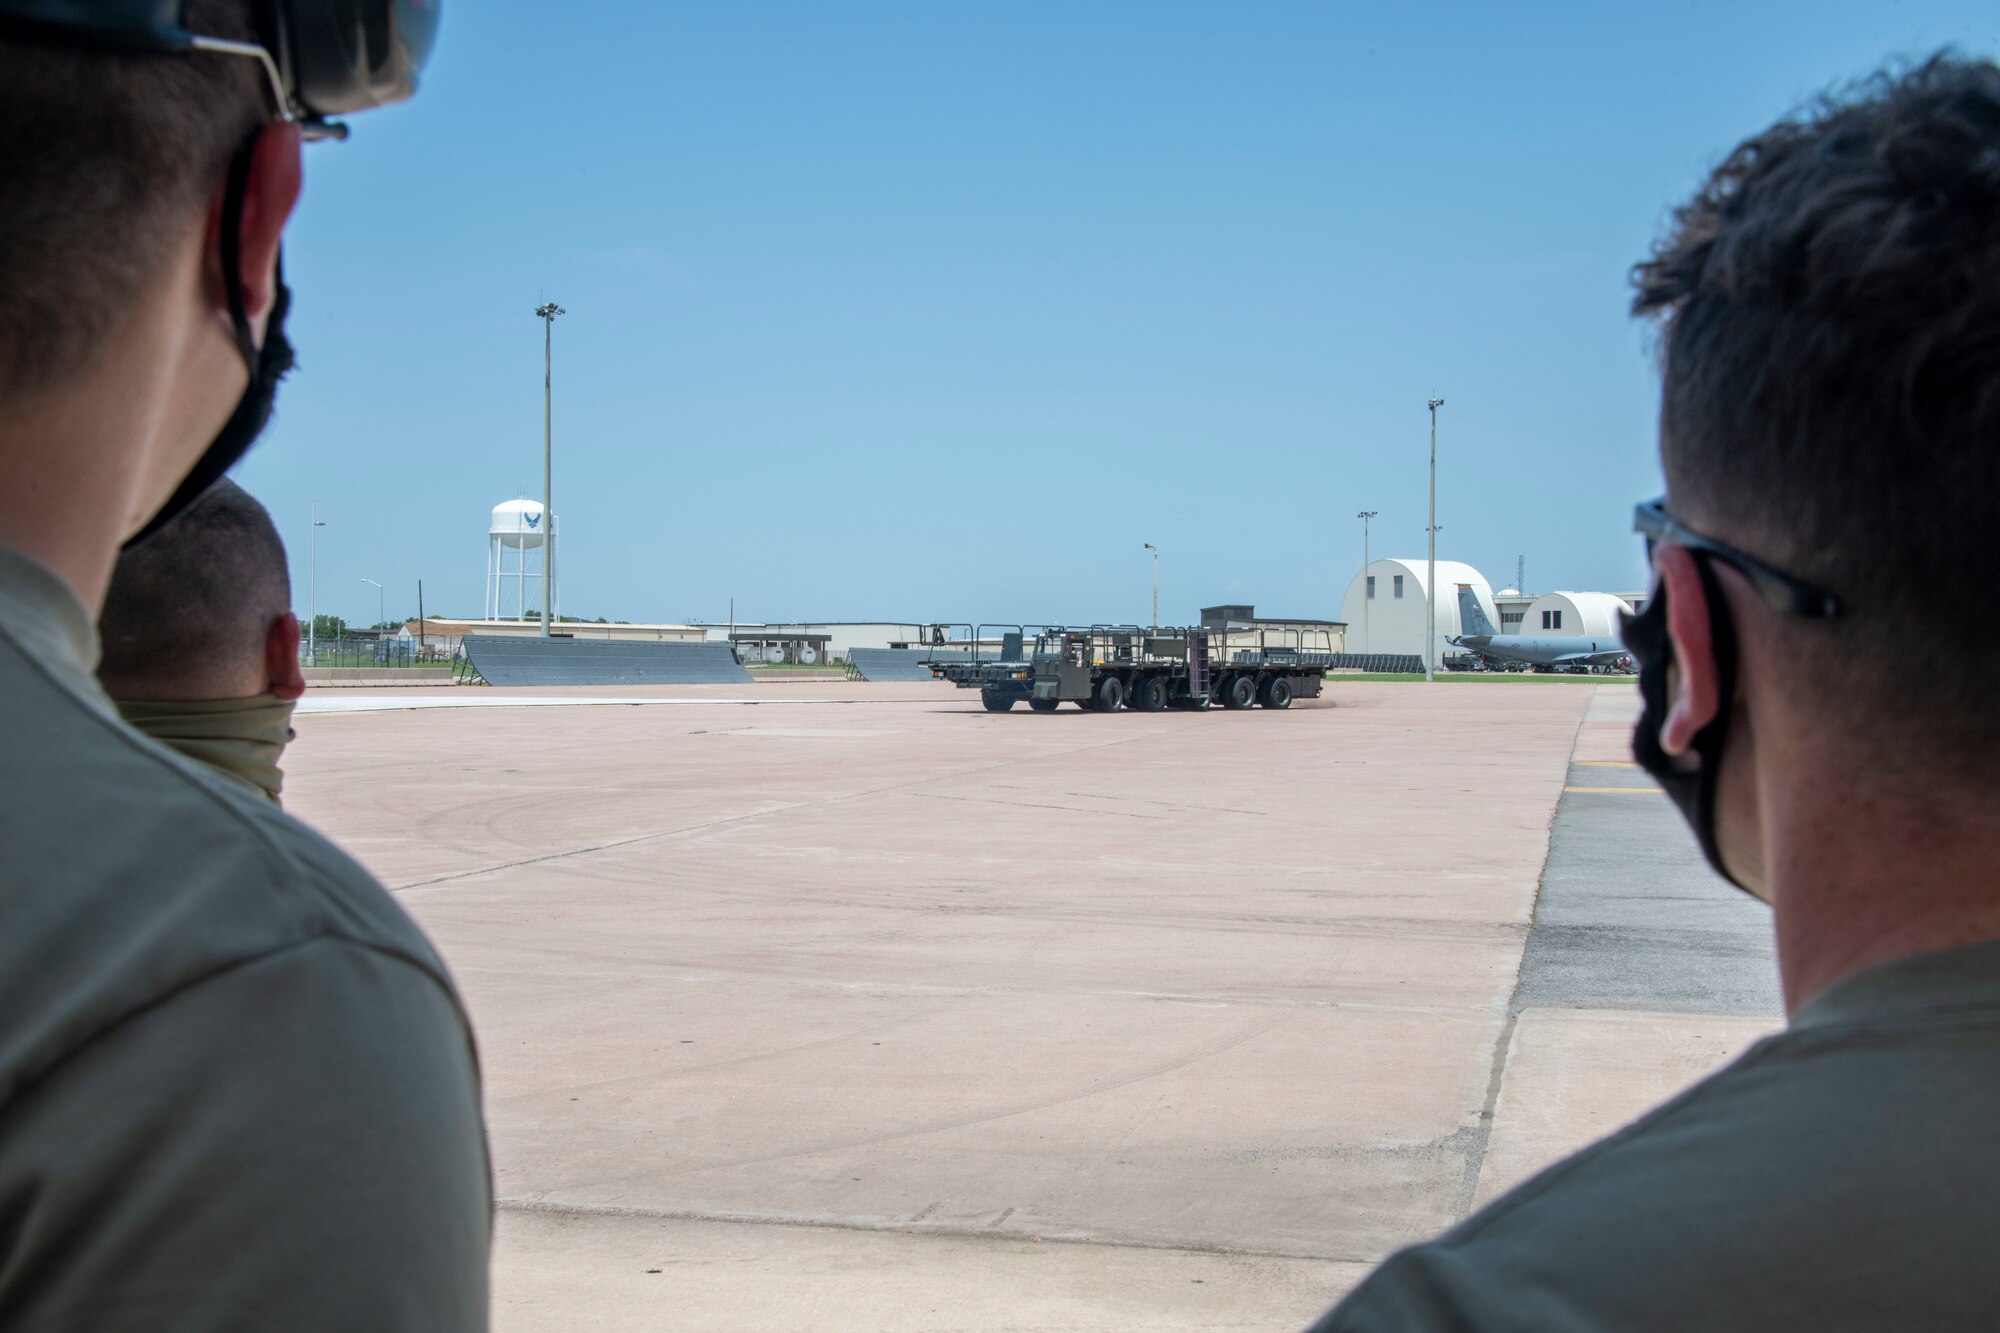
(324,57)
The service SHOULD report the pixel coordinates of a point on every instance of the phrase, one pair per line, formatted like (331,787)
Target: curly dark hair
(1829,306)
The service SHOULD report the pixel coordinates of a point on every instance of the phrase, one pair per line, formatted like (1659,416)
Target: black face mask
(267,364)
(1693,790)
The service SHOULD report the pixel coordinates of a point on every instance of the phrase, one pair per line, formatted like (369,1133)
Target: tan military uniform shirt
(1841,1176)
(237,1089)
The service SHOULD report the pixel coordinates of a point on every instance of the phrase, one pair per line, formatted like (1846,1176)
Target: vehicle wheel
(995,703)
(1239,692)
(1278,693)
(1042,705)
(1110,695)
(1150,695)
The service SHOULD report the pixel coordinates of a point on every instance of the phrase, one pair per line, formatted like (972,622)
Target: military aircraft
(1521,649)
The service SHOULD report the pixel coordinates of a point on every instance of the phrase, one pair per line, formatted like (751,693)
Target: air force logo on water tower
(534,520)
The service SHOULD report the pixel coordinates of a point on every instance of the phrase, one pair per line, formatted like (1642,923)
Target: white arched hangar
(1384,606)
(1590,615)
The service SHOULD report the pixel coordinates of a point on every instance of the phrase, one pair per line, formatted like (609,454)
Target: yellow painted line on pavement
(1633,791)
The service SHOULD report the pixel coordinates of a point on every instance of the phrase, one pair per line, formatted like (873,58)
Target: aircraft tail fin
(1471,616)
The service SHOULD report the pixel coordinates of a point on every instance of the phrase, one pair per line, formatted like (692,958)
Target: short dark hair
(1830,360)
(203,589)
(104,157)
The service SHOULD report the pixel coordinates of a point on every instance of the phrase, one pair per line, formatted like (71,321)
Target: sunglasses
(1779,590)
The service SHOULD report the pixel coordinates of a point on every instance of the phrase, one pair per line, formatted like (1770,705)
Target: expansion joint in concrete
(1481,1135)
(659,835)
(829,1222)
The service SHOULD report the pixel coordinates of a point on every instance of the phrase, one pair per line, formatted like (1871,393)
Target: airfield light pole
(547,312)
(1156,586)
(312,596)
(1364,515)
(1431,576)
(381,614)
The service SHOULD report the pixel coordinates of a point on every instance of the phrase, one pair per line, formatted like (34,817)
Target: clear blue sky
(939,311)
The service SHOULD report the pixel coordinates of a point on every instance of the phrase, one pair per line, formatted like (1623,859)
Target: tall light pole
(1364,515)
(379,599)
(1431,577)
(312,596)
(1156,585)
(547,311)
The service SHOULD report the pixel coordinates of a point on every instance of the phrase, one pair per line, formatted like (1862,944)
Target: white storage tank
(517,524)
(514,586)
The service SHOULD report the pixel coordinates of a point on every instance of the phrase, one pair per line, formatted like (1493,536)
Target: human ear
(281,658)
(270,191)
(1695,683)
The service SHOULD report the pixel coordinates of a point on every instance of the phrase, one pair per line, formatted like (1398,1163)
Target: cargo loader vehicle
(1110,668)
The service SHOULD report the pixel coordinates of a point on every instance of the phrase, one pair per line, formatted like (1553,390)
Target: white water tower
(518,527)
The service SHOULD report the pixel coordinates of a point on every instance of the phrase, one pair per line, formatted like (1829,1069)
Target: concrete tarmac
(854,1006)
(1644,970)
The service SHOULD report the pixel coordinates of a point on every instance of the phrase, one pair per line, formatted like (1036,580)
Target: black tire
(1150,695)
(1239,692)
(1042,705)
(1278,692)
(996,703)
(1109,696)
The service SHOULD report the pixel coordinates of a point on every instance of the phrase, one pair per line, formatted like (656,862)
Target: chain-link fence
(351,651)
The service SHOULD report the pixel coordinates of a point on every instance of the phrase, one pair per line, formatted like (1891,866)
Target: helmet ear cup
(132,25)
(341,56)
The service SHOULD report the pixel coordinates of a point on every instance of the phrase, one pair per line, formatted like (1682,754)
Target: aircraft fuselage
(1534,650)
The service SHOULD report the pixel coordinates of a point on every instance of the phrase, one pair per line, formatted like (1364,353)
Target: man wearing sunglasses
(1829,313)
(237,1088)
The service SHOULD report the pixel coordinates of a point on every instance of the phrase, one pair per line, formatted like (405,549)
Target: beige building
(1242,629)
(439,636)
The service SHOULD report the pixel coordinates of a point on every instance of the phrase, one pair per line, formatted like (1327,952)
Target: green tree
(328,627)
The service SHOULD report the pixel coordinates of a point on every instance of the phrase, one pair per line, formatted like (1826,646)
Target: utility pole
(1364,515)
(547,311)
(1431,577)
(1156,586)
(312,596)
(423,643)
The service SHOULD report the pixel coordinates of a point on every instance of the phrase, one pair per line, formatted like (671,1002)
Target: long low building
(440,634)
(830,639)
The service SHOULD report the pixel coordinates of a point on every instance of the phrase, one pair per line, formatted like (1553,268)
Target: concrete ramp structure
(506,660)
(901,664)
(1385,663)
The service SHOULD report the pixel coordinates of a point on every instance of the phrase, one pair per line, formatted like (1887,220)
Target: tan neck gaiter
(239,738)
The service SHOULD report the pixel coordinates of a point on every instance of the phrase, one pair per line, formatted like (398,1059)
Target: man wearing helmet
(237,1087)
